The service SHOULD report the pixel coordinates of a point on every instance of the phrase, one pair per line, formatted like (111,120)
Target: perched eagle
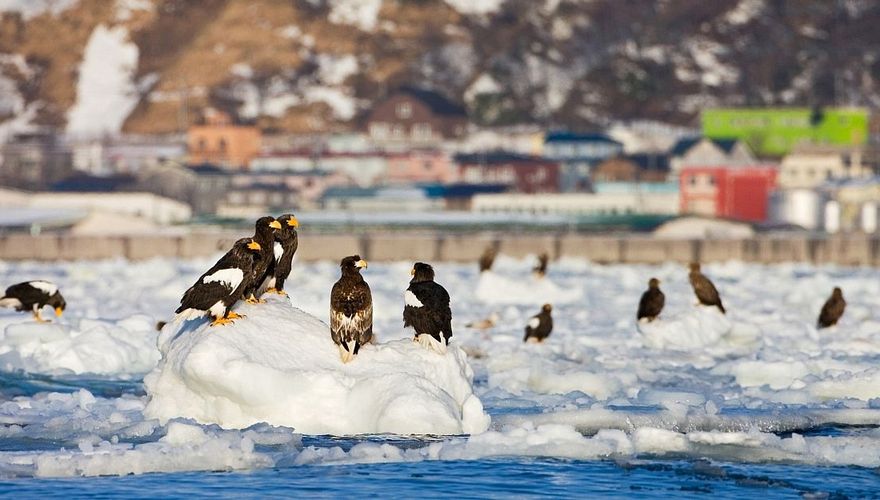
(33,296)
(351,309)
(427,309)
(216,291)
(540,270)
(652,302)
(264,234)
(284,248)
(488,258)
(540,325)
(705,291)
(832,310)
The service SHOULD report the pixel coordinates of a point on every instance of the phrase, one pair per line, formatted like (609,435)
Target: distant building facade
(703,152)
(578,154)
(812,166)
(740,193)
(416,116)
(366,168)
(220,142)
(521,173)
(34,160)
(420,166)
(642,167)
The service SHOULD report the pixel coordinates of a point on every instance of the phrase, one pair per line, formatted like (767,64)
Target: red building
(520,173)
(739,193)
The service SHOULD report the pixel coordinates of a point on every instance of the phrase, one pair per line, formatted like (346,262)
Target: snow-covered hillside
(320,64)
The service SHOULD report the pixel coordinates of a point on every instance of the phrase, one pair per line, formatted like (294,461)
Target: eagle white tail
(9,302)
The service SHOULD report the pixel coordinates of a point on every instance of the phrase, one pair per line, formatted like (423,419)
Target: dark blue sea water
(487,478)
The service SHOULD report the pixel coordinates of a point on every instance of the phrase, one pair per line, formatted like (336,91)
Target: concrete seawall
(857,250)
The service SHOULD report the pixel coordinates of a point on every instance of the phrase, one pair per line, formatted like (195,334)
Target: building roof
(650,161)
(462,190)
(684,145)
(207,169)
(497,157)
(576,137)
(438,103)
(84,183)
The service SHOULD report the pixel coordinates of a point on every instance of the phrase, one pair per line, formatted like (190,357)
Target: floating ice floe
(98,347)
(493,288)
(279,366)
(698,328)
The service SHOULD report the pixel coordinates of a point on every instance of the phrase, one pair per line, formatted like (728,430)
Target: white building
(111,213)
(618,203)
(812,166)
(703,152)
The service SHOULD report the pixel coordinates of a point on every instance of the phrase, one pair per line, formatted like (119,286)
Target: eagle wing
(651,304)
(427,309)
(706,292)
(831,312)
(351,312)
(28,295)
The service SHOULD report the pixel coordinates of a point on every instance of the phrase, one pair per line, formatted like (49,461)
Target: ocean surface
(757,402)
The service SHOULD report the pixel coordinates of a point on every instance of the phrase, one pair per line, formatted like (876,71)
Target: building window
(692,180)
(427,165)
(222,145)
(403,110)
(710,180)
(379,130)
(202,144)
(421,131)
(397,131)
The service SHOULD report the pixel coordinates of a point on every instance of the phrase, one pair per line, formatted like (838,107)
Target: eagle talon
(253,300)
(221,322)
(277,292)
(235,315)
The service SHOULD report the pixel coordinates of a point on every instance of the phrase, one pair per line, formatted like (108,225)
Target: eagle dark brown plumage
(540,325)
(540,270)
(264,235)
(832,310)
(426,309)
(284,249)
(652,301)
(351,309)
(221,286)
(488,258)
(705,291)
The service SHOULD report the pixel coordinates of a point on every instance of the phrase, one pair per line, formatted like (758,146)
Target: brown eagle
(426,309)
(351,309)
(284,248)
(705,291)
(832,310)
(488,258)
(540,270)
(540,325)
(652,301)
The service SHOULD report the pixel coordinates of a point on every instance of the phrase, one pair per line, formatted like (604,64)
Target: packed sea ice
(756,385)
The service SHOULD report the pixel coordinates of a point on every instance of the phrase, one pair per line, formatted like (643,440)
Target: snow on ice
(280,366)
(745,386)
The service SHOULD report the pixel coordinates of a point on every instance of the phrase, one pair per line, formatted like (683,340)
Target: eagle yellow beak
(254,246)
(275,224)
(361,263)
(293,222)
(58,311)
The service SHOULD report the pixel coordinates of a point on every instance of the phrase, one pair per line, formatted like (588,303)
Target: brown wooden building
(221,142)
(633,168)
(520,173)
(415,115)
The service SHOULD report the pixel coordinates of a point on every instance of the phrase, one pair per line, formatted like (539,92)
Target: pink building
(416,166)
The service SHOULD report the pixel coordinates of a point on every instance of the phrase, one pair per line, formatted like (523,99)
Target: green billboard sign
(776,131)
